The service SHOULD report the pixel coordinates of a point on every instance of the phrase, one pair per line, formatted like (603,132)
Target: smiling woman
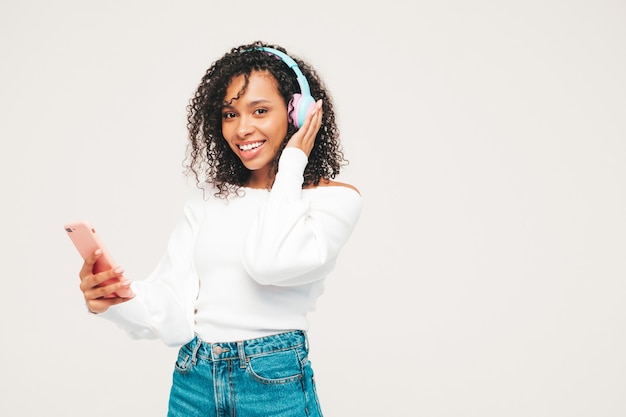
(248,259)
(249,89)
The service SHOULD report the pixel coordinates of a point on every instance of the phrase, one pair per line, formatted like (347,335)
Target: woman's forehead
(256,83)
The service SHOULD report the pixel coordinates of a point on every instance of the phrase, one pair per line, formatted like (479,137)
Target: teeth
(249,146)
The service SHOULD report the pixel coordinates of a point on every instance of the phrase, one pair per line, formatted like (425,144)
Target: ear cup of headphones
(299,106)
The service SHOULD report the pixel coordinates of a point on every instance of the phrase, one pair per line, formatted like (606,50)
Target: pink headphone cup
(300,105)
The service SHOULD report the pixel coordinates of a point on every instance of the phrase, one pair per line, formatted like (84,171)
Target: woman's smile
(249,149)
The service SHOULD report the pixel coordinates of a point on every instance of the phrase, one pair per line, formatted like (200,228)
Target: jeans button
(217,350)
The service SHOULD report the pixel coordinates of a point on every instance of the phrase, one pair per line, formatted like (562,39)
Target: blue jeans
(268,376)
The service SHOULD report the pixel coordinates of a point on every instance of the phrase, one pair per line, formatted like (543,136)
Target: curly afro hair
(210,159)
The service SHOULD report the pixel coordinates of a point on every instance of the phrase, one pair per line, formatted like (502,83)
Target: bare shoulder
(331,183)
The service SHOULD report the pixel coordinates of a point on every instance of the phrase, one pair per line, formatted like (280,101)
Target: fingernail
(118,270)
(98,251)
(319,103)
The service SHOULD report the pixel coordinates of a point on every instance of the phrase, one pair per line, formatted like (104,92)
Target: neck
(260,179)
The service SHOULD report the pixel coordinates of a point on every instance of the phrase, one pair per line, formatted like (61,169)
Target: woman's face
(255,124)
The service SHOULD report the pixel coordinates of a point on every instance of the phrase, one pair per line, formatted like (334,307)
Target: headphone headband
(302,81)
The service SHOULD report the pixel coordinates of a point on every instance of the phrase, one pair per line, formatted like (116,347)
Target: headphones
(302,102)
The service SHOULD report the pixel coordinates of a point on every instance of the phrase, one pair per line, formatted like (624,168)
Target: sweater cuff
(290,175)
(293,161)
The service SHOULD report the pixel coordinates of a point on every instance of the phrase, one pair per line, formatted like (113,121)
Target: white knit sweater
(244,267)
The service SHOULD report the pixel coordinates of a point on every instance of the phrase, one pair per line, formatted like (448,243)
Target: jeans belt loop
(242,355)
(194,354)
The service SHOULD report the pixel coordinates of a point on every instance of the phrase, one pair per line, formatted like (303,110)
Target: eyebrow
(228,105)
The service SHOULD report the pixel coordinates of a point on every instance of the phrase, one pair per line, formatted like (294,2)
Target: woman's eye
(228,115)
(260,111)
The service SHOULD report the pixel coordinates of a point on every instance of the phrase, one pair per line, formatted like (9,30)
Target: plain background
(487,274)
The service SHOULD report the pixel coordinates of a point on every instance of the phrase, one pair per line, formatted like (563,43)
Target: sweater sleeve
(163,303)
(293,237)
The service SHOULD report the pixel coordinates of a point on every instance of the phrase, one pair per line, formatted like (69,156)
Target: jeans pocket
(276,367)
(183,362)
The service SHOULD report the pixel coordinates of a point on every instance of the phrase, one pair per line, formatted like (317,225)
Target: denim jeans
(265,377)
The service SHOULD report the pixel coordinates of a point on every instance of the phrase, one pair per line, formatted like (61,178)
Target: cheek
(227,132)
(280,131)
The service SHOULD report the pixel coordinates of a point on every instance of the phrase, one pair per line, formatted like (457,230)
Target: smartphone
(87,240)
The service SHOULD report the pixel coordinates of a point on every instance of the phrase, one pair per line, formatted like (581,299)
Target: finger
(107,291)
(87,268)
(318,118)
(103,304)
(313,117)
(119,300)
(312,126)
(95,280)
(315,121)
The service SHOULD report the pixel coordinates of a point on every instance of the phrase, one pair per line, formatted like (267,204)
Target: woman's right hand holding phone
(100,294)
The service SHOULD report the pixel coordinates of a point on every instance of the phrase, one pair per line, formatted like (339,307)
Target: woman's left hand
(304,138)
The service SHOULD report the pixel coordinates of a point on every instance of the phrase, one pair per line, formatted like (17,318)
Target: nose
(245,126)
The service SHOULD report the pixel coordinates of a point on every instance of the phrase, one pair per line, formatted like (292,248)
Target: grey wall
(487,275)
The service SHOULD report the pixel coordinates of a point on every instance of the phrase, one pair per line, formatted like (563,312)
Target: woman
(248,260)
